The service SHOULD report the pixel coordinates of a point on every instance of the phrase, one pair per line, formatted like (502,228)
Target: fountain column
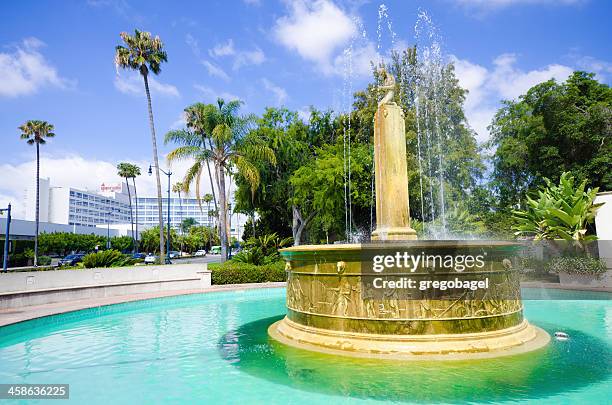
(392,207)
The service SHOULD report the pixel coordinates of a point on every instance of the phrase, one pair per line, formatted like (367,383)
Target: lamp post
(167,173)
(108,244)
(6,236)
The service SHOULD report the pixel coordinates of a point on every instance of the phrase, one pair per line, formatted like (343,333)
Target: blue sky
(56,64)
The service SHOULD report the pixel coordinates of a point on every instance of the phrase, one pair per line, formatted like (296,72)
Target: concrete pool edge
(16,315)
(13,316)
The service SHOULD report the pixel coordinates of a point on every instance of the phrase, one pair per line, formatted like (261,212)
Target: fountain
(335,303)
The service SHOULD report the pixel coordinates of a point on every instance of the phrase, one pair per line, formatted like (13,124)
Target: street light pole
(167,173)
(108,244)
(6,236)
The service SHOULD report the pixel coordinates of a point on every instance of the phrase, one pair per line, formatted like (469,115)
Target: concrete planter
(586,280)
(43,287)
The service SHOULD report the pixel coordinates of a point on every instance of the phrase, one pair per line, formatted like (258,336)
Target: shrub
(107,258)
(577,265)
(44,260)
(232,272)
(263,249)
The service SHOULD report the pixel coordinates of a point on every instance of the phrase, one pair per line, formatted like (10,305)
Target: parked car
(138,256)
(151,259)
(71,260)
(200,253)
(215,250)
(174,254)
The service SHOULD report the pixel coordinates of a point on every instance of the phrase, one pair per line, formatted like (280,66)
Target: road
(199,259)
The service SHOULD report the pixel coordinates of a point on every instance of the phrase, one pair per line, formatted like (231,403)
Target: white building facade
(71,206)
(110,205)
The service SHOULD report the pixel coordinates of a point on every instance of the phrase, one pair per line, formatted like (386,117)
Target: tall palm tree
(35,132)
(207,199)
(227,143)
(129,171)
(177,188)
(136,173)
(145,54)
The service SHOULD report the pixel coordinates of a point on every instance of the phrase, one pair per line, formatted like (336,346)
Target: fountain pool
(205,347)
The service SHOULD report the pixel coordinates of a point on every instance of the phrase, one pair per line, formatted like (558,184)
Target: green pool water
(214,348)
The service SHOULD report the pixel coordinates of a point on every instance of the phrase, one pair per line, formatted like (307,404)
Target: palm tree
(129,171)
(35,132)
(207,199)
(136,172)
(226,142)
(145,54)
(177,188)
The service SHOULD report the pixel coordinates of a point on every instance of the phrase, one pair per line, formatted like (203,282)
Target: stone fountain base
(333,307)
(518,339)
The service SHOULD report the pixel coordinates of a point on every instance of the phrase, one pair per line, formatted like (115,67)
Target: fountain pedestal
(391,175)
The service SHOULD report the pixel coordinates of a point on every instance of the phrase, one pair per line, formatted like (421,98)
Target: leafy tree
(553,128)
(35,132)
(149,240)
(122,243)
(227,145)
(129,171)
(200,237)
(145,54)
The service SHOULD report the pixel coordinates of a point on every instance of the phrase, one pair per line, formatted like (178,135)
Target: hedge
(232,272)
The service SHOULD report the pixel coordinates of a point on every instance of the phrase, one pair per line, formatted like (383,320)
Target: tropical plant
(107,258)
(560,212)
(262,249)
(129,171)
(149,240)
(219,135)
(145,54)
(35,132)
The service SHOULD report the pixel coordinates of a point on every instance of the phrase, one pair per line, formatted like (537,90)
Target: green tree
(228,145)
(129,171)
(145,54)
(187,223)
(553,128)
(35,132)
(149,240)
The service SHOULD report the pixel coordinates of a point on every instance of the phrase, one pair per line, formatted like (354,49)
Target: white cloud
(240,57)
(357,61)
(593,65)
(503,81)
(279,93)
(211,95)
(215,70)
(245,58)
(316,31)
(84,173)
(132,83)
(25,70)
(226,49)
